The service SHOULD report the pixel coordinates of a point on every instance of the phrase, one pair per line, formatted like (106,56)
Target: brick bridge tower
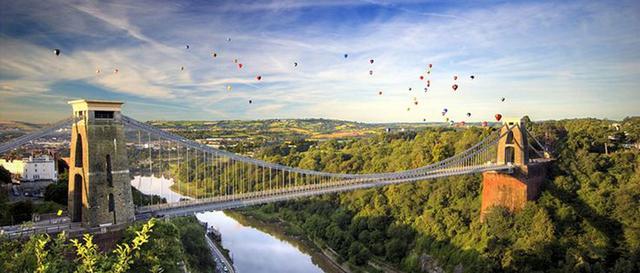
(99,183)
(513,190)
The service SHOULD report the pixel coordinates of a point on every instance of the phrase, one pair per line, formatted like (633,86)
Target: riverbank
(294,236)
(286,231)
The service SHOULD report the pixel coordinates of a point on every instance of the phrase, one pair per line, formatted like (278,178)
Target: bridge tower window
(103,114)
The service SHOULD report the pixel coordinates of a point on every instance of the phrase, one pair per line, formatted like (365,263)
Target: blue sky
(549,59)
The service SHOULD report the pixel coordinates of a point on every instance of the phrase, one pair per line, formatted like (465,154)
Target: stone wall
(512,191)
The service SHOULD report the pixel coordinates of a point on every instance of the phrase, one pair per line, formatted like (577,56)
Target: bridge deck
(250,199)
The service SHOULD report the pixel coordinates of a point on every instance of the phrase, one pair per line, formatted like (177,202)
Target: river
(253,247)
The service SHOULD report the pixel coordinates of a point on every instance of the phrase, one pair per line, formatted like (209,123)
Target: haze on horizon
(549,59)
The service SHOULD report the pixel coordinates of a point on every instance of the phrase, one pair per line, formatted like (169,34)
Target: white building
(32,168)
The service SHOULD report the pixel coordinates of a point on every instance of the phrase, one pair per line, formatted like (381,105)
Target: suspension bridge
(104,142)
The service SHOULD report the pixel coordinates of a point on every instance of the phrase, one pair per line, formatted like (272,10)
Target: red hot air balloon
(430,65)
(239,65)
(498,117)
(455,87)
(371,61)
(421,77)
(259,77)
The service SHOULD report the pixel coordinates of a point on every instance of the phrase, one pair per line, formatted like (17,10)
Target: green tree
(5,176)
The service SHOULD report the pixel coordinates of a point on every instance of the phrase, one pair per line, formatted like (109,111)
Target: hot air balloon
(239,65)
(421,77)
(228,39)
(380,93)
(502,99)
(428,83)
(498,117)
(259,77)
(214,54)
(455,78)
(295,64)
(56,51)
(370,72)
(468,114)
(98,71)
(430,65)
(409,88)
(472,77)
(182,68)
(462,123)
(447,119)
(187,46)
(408,108)
(455,87)
(250,101)
(346,55)
(428,71)
(424,120)
(235,61)
(371,61)
(115,71)
(415,102)
(451,122)
(228,87)
(485,124)
(425,90)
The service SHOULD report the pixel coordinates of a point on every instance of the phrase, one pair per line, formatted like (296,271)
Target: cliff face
(512,191)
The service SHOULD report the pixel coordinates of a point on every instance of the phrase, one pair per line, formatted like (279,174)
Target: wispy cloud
(539,55)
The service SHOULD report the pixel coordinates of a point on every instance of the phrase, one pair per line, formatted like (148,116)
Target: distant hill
(12,129)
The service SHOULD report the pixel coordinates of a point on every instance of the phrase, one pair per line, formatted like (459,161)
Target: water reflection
(156,185)
(256,251)
(252,250)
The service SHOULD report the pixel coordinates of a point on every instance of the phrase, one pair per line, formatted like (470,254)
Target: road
(219,257)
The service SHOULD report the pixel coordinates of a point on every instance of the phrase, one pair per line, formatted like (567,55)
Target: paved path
(218,254)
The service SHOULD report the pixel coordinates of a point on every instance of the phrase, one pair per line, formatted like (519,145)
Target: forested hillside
(587,218)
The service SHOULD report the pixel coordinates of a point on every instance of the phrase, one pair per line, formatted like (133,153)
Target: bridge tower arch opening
(77,198)
(100,164)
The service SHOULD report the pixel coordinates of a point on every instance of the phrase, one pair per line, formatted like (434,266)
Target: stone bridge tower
(513,190)
(99,183)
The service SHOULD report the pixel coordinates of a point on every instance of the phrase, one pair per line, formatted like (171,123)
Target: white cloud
(526,52)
